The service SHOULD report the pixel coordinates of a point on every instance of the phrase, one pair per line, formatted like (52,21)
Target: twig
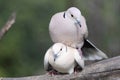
(8,25)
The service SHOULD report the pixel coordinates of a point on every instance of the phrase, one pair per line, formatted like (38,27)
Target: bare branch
(8,25)
(103,70)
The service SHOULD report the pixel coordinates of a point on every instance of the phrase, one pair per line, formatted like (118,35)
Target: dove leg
(77,69)
(53,72)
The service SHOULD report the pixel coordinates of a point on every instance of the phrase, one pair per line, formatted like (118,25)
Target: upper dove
(69,27)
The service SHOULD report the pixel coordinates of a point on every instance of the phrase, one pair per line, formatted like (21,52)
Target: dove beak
(78,22)
(55,57)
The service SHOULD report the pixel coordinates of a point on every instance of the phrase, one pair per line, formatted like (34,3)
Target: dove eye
(72,15)
(61,49)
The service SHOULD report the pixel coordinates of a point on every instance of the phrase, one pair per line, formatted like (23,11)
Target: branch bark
(108,69)
(8,25)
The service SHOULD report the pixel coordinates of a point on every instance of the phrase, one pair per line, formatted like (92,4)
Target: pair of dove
(68,30)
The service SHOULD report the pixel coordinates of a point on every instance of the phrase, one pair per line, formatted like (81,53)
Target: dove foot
(53,72)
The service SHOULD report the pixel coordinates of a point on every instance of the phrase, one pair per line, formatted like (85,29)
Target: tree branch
(8,25)
(108,69)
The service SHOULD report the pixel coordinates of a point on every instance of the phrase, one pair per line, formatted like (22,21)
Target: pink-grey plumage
(69,27)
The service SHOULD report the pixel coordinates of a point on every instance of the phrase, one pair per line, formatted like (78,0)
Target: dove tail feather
(91,52)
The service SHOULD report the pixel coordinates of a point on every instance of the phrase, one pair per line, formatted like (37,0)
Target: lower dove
(62,58)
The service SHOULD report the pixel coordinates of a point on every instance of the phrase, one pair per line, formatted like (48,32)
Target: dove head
(58,49)
(74,14)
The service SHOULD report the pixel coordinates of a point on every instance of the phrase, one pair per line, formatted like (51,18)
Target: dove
(69,27)
(62,58)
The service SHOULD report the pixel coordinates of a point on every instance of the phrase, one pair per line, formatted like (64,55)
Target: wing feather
(79,59)
(91,52)
(47,66)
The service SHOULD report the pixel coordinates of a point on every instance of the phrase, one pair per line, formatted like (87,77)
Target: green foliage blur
(22,49)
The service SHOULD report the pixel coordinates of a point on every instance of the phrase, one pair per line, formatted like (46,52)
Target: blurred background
(22,49)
